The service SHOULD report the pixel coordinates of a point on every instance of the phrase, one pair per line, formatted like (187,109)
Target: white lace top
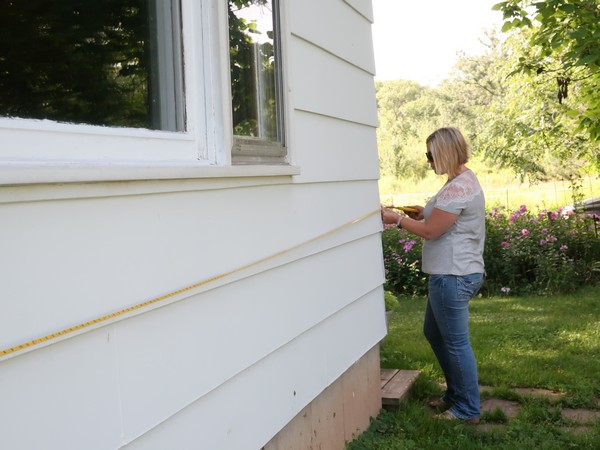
(459,251)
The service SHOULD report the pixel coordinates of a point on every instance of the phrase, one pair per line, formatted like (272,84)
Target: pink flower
(525,232)
(543,242)
(505,244)
(408,246)
(564,247)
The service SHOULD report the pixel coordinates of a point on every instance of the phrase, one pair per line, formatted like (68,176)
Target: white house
(179,272)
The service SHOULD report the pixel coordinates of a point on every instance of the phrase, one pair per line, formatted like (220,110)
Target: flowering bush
(548,252)
(525,253)
(402,262)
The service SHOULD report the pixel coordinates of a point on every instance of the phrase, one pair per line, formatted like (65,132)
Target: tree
(563,44)
(524,127)
(406,112)
(473,87)
(507,106)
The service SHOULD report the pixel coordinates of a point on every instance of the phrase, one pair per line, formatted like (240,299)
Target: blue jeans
(446,327)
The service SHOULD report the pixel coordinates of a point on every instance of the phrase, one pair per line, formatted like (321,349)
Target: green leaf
(499,6)
(568,8)
(587,60)
(507,26)
(543,11)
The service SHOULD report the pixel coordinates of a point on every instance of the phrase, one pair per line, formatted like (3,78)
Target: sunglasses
(429,156)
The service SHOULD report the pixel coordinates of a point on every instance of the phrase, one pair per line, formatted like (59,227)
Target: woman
(453,227)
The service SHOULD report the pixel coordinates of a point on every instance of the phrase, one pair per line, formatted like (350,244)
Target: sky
(419,39)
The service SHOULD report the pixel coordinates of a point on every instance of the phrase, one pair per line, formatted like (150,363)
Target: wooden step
(395,386)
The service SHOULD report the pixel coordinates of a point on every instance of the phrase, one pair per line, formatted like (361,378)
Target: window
(100,63)
(112,88)
(256,80)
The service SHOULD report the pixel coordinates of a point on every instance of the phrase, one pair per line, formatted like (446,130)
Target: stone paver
(583,417)
(510,408)
(535,392)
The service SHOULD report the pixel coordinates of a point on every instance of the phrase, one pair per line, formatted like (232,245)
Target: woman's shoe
(439,404)
(449,415)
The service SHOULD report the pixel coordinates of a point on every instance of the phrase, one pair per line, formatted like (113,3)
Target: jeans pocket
(468,285)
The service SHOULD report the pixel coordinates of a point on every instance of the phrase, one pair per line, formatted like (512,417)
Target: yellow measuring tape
(162,298)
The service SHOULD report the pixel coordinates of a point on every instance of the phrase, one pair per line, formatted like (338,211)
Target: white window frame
(247,150)
(44,151)
(167,78)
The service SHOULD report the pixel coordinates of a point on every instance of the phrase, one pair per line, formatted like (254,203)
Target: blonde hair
(449,150)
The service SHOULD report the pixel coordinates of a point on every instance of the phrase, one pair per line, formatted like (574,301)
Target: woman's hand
(416,215)
(388,216)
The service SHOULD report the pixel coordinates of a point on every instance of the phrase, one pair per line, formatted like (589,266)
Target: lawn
(500,190)
(534,342)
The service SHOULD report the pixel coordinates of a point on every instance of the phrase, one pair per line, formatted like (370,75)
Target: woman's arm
(437,224)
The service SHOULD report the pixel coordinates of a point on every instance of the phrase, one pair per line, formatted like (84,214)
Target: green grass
(500,191)
(541,342)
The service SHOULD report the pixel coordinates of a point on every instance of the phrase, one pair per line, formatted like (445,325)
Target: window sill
(28,173)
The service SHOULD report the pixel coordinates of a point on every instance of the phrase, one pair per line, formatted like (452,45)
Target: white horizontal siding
(224,178)
(294,328)
(192,347)
(62,397)
(348,35)
(335,150)
(65,262)
(364,7)
(275,389)
(327,85)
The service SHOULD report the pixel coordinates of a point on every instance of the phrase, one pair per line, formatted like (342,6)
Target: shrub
(544,253)
(402,262)
(525,253)
(391,301)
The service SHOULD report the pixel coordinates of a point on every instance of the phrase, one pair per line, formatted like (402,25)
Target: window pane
(254,69)
(114,63)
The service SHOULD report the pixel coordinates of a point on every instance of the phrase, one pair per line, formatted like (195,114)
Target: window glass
(113,63)
(255,70)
